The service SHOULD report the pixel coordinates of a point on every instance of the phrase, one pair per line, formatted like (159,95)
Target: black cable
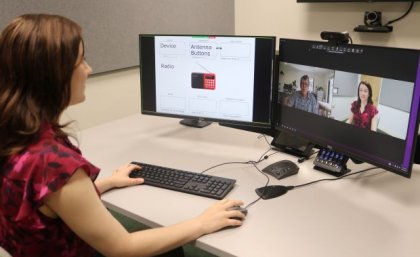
(337,178)
(350,39)
(265,186)
(263,157)
(399,18)
(276,152)
(226,163)
(265,137)
(284,189)
(315,152)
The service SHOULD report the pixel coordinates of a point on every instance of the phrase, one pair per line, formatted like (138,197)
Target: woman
(364,113)
(49,203)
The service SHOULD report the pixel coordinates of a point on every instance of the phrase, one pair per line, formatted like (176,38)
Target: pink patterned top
(25,180)
(363,120)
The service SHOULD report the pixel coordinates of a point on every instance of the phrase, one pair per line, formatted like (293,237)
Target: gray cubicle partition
(111,27)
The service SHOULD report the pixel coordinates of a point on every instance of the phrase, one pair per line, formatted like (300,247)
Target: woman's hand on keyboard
(119,178)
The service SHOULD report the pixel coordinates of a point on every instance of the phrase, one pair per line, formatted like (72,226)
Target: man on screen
(303,99)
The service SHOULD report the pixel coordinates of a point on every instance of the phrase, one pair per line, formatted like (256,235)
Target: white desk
(364,215)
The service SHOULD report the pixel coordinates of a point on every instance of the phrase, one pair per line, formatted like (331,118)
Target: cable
(226,163)
(265,137)
(350,39)
(405,14)
(304,158)
(271,154)
(263,157)
(281,190)
(330,179)
(285,189)
(265,186)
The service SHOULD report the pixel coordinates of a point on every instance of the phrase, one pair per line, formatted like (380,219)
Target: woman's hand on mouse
(217,216)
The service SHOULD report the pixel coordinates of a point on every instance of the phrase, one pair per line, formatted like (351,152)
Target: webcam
(373,18)
(373,23)
(336,37)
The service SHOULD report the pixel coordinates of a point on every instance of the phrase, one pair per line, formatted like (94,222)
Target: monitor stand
(292,144)
(196,123)
(331,162)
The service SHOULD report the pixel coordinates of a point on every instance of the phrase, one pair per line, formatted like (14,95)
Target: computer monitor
(208,78)
(344,1)
(361,101)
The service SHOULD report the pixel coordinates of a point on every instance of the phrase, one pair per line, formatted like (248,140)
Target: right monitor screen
(359,100)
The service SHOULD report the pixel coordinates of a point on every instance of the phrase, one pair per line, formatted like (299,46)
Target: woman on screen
(49,196)
(363,113)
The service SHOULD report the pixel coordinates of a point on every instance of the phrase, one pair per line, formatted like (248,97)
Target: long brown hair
(369,87)
(38,53)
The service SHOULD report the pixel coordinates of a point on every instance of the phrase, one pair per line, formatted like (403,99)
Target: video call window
(384,103)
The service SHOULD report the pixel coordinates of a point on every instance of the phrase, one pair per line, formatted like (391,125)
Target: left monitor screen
(216,78)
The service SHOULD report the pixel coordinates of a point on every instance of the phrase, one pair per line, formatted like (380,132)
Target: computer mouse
(282,169)
(238,208)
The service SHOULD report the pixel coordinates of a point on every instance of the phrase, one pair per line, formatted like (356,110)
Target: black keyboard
(183,181)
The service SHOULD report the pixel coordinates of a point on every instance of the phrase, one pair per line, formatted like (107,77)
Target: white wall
(393,121)
(340,108)
(108,97)
(288,19)
(115,95)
